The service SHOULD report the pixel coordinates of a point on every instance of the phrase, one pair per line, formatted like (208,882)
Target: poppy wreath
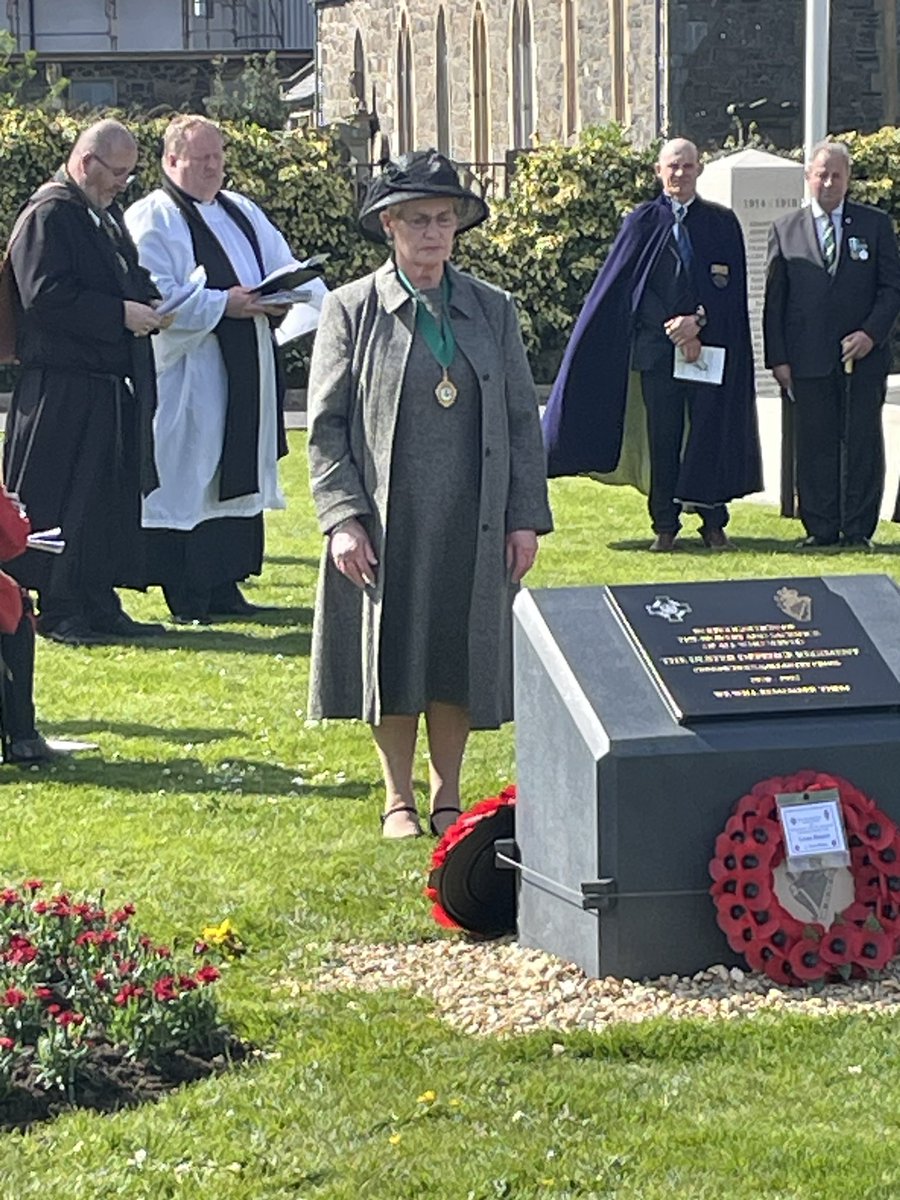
(468,892)
(862,939)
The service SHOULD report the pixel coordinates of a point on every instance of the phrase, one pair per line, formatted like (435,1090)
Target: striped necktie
(683,238)
(829,245)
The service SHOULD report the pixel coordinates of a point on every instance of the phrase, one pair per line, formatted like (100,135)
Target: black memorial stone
(754,647)
(620,798)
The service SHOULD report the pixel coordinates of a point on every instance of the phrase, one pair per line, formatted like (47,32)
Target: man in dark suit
(674,282)
(832,295)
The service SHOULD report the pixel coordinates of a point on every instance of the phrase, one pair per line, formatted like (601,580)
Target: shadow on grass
(221,641)
(188,776)
(287,560)
(183,735)
(691,545)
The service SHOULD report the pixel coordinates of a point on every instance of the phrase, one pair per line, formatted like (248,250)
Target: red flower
(7,1043)
(33,885)
(840,945)
(101,981)
(876,949)
(126,993)
(806,961)
(70,1018)
(40,907)
(90,937)
(122,915)
(200,947)
(163,952)
(20,951)
(14,997)
(208,974)
(9,897)
(187,983)
(43,992)
(164,989)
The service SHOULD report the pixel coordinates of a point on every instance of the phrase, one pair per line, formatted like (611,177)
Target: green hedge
(544,242)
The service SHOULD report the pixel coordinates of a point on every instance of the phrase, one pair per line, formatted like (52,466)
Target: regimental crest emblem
(793,605)
(671,610)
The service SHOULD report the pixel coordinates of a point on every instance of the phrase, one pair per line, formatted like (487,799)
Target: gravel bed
(500,988)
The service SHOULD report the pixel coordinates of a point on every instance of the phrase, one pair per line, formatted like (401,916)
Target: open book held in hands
(287,279)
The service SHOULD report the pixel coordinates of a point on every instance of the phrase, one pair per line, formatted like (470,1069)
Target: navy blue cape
(585,415)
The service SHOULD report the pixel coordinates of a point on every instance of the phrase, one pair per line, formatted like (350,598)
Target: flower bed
(92,1011)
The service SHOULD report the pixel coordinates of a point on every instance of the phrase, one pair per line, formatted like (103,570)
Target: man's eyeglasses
(123,173)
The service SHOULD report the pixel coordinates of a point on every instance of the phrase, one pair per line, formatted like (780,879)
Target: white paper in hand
(709,367)
(303,318)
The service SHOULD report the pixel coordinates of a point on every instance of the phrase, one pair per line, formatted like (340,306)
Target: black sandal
(399,808)
(444,808)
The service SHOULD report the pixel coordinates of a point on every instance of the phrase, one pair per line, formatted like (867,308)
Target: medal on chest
(438,337)
(446,391)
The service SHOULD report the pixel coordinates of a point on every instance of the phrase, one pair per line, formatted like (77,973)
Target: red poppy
(164,989)
(9,897)
(33,885)
(14,997)
(7,1043)
(126,993)
(840,945)
(806,961)
(207,974)
(876,949)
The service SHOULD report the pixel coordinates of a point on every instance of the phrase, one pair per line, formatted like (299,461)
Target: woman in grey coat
(428,475)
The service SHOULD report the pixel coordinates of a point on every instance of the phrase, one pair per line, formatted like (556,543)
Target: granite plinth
(612,787)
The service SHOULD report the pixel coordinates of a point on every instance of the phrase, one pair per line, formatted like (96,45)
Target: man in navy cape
(674,283)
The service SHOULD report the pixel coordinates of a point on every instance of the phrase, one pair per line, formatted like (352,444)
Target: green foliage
(552,231)
(544,243)
(255,95)
(17,72)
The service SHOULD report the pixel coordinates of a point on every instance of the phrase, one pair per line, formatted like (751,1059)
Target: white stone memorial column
(757,187)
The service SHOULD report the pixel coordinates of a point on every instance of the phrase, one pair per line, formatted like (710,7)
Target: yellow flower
(454,1102)
(394,1139)
(217,934)
(428,1097)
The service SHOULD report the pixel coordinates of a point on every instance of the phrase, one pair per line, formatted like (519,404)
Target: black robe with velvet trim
(78,447)
(585,420)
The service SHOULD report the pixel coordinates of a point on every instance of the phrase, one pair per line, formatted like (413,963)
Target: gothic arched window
(481,132)
(570,68)
(442,85)
(405,93)
(522,47)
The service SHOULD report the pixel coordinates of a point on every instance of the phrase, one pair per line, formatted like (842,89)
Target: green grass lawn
(212,796)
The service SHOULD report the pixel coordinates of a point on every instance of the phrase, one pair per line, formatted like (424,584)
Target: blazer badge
(718,273)
(859,249)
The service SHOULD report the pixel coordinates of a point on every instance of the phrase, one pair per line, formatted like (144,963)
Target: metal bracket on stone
(600,895)
(506,855)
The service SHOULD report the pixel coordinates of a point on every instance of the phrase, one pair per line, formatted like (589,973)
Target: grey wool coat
(357,370)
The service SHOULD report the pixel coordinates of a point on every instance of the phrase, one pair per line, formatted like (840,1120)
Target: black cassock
(79,438)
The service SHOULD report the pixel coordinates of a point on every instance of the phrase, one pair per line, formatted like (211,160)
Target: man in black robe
(78,450)
(674,283)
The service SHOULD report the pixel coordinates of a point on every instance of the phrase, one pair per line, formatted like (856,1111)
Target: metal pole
(815,99)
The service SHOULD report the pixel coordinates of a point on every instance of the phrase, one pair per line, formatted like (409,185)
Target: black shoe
(857,543)
(236,605)
(121,625)
(663,543)
(187,618)
(71,631)
(33,751)
(814,542)
(715,538)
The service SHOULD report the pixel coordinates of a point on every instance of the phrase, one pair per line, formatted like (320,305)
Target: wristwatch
(700,316)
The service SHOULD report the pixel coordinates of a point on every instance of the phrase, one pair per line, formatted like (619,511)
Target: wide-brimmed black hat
(420,175)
